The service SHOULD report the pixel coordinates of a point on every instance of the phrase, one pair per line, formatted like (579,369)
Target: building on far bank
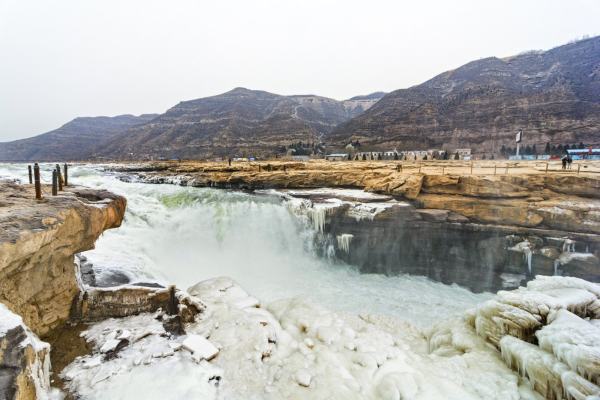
(584,154)
(336,157)
(463,154)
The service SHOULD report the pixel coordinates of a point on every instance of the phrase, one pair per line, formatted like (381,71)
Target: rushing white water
(185,235)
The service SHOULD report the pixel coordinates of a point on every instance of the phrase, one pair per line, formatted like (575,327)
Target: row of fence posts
(58,179)
(399,168)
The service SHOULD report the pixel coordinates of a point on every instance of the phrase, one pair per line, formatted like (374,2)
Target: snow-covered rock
(24,361)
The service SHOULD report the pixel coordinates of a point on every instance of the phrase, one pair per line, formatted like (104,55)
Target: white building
(336,157)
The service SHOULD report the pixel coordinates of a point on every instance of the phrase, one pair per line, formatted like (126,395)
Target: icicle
(317,216)
(330,251)
(344,241)
(568,246)
(528,257)
(556,265)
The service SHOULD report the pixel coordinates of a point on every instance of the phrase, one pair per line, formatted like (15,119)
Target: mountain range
(238,122)
(553,96)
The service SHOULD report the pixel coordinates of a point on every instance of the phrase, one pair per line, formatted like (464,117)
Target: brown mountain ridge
(553,96)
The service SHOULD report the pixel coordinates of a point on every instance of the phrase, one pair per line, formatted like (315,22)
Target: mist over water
(183,235)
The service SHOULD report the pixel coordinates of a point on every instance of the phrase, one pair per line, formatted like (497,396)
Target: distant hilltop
(553,96)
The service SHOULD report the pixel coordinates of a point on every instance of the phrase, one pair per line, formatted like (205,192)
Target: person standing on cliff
(564,162)
(569,162)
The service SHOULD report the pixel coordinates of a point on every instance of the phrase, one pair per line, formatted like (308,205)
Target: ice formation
(561,315)
(289,349)
(344,241)
(525,248)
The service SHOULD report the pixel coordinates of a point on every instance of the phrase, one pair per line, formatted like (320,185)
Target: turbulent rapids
(281,316)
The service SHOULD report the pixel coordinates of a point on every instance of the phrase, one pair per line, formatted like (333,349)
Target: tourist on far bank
(564,162)
(569,162)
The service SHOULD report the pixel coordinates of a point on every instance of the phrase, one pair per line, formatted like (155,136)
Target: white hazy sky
(65,58)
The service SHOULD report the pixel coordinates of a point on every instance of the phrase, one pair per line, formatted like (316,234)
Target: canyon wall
(38,280)
(38,241)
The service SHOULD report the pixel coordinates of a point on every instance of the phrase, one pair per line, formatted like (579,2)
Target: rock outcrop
(24,360)
(562,201)
(38,241)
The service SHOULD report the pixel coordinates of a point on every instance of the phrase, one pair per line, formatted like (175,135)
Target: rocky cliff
(24,360)
(554,96)
(39,284)
(75,140)
(38,241)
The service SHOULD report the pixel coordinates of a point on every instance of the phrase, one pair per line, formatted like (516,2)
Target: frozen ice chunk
(200,348)
(109,345)
(303,377)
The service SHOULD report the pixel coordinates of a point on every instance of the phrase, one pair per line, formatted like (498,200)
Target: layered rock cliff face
(554,96)
(24,359)
(38,241)
(38,280)
(485,232)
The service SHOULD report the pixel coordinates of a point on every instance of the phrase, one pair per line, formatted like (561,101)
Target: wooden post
(578,168)
(65,167)
(54,183)
(546,167)
(443,170)
(36,178)
(419,168)
(59,177)
(259,168)
(30,174)
(471,167)
(494,169)
(172,308)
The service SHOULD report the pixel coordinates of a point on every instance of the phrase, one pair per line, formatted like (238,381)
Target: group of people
(566,162)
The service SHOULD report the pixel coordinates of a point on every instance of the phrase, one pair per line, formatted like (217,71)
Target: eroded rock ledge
(38,281)
(38,241)
(528,198)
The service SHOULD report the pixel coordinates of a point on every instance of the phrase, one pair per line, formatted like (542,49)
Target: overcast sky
(66,58)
